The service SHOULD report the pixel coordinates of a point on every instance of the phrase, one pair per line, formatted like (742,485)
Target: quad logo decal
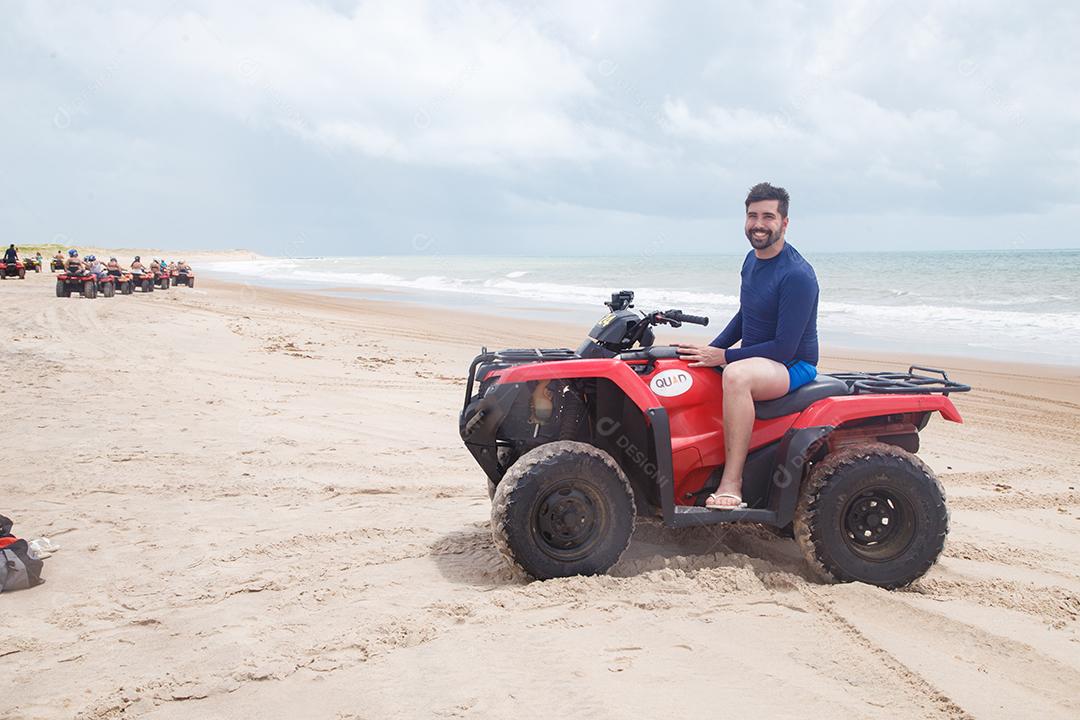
(670,383)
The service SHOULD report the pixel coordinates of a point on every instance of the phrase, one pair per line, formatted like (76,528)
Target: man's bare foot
(724,500)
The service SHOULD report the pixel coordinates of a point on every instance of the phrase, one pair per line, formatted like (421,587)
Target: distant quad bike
(143,281)
(183,277)
(115,282)
(577,443)
(163,279)
(83,284)
(56,264)
(15,269)
(32,264)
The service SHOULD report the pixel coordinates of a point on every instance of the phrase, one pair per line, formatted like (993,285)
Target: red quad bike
(114,282)
(85,285)
(163,279)
(15,269)
(576,444)
(142,281)
(124,281)
(183,277)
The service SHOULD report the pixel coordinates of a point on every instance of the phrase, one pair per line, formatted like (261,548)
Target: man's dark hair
(765,191)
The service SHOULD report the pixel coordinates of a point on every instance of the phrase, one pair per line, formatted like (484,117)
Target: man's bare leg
(744,382)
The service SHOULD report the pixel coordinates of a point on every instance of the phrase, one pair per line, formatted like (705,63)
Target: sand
(265,510)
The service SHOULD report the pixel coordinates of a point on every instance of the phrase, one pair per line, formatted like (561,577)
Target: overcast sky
(340,127)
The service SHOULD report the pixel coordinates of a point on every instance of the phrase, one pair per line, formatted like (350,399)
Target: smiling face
(764,224)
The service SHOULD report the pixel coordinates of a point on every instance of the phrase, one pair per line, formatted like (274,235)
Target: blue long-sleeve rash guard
(777,317)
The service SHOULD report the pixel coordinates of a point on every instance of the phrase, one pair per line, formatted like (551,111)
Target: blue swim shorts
(800,372)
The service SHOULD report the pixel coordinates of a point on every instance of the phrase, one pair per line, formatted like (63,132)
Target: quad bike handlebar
(676,318)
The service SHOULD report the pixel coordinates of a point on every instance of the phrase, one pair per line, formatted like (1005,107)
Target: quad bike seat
(821,387)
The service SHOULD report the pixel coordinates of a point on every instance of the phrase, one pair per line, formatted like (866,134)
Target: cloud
(665,112)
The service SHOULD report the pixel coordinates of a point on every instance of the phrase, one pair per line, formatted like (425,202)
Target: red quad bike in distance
(183,277)
(15,269)
(85,285)
(142,281)
(576,444)
(114,282)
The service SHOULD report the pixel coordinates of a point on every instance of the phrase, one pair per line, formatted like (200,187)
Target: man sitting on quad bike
(11,255)
(777,323)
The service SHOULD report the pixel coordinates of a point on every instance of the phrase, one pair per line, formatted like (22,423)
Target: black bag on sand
(18,570)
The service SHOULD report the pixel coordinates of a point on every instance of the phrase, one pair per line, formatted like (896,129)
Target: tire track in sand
(970,669)
(931,696)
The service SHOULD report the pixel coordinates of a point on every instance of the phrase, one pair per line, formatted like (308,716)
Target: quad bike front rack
(515,356)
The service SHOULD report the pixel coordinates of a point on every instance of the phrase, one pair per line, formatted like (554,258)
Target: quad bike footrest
(692,516)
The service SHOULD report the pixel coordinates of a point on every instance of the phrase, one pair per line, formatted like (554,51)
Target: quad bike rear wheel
(89,290)
(108,289)
(564,508)
(872,513)
(61,289)
(22,273)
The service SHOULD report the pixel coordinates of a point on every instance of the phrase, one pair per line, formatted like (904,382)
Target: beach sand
(265,509)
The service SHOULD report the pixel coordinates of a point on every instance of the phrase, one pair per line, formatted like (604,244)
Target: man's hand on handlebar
(701,355)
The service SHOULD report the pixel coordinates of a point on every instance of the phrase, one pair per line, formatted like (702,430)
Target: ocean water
(1008,305)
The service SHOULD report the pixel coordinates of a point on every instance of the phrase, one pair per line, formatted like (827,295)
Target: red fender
(837,410)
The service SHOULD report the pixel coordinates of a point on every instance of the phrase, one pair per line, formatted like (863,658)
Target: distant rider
(11,255)
(97,268)
(74,265)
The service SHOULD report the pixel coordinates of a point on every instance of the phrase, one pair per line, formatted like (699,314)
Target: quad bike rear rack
(899,383)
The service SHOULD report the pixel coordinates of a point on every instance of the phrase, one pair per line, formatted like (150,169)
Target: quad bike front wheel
(564,508)
(872,513)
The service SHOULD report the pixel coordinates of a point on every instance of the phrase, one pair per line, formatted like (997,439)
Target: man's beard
(762,243)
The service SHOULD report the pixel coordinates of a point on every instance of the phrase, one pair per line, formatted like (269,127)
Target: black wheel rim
(879,524)
(569,520)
